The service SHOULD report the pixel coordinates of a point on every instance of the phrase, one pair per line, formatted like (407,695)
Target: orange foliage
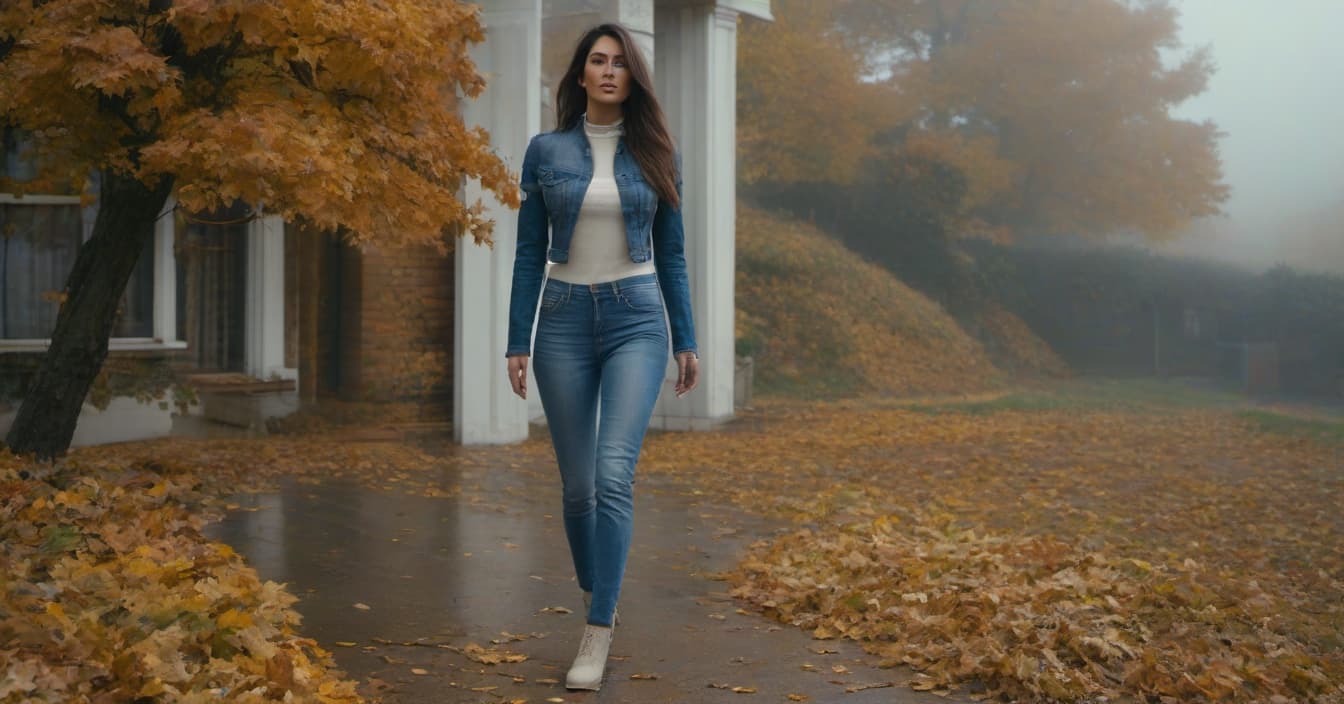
(803,113)
(1058,112)
(1079,96)
(340,113)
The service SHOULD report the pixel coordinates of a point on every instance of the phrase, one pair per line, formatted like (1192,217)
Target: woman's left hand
(688,372)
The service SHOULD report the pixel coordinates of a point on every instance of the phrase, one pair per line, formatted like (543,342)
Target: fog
(1276,94)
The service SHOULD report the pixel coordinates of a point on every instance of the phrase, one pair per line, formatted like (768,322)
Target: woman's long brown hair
(646,132)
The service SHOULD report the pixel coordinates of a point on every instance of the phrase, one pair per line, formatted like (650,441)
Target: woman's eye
(618,63)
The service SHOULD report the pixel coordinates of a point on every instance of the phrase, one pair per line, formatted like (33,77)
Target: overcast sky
(1279,95)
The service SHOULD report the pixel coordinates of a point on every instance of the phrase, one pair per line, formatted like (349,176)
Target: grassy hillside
(819,320)
(1014,348)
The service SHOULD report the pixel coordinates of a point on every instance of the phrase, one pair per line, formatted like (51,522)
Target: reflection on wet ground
(400,587)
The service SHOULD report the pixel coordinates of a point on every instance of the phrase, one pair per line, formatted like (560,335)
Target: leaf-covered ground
(1046,547)
(110,593)
(1082,542)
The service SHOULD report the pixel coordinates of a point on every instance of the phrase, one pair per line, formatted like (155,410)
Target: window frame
(163,318)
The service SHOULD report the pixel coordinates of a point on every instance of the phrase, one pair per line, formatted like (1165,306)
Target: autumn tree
(1056,111)
(1077,95)
(804,114)
(342,114)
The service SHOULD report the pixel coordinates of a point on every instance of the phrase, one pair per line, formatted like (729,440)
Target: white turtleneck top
(599,251)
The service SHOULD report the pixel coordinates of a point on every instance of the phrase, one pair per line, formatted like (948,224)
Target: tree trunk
(127,210)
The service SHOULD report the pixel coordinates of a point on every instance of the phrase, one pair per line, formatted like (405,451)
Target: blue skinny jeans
(600,354)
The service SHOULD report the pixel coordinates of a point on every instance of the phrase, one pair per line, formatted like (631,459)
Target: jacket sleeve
(529,261)
(669,256)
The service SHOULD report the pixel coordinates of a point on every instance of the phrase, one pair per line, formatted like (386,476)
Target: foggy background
(1276,96)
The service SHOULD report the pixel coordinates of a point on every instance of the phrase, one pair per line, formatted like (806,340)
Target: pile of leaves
(109,593)
(820,320)
(1060,553)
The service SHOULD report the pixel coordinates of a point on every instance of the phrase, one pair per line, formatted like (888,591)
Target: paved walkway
(400,586)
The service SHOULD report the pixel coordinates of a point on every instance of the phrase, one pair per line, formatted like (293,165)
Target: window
(40,236)
(39,246)
(211,296)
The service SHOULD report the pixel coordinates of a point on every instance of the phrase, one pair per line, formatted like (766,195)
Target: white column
(484,407)
(265,308)
(637,16)
(696,82)
(165,276)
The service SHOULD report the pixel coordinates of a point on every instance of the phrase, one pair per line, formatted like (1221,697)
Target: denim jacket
(557,169)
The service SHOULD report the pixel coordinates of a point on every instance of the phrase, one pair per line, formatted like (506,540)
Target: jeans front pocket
(553,298)
(642,298)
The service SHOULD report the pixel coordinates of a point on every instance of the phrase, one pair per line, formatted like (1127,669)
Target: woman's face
(606,75)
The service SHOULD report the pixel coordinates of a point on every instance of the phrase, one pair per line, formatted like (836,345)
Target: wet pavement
(403,588)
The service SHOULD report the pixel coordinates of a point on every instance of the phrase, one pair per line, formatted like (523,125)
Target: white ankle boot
(588,606)
(586,672)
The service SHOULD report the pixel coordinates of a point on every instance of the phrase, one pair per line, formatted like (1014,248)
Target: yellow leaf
(233,618)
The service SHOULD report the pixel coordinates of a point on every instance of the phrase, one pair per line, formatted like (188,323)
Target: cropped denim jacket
(557,169)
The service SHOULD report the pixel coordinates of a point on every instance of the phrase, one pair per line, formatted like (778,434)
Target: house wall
(402,331)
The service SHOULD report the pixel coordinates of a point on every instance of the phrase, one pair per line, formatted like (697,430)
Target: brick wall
(405,326)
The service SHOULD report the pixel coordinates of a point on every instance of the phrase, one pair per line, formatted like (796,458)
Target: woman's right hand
(518,374)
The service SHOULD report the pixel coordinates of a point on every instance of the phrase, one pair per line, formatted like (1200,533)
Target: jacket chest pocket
(558,188)
(637,196)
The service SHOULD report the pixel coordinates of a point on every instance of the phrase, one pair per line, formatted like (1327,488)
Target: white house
(229,293)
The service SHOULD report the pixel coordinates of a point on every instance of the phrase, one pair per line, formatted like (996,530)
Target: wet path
(400,586)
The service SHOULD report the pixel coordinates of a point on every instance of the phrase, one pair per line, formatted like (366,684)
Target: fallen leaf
(361,606)
(491,656)
(419,671)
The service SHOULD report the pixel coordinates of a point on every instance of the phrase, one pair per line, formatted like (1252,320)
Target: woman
(606,184)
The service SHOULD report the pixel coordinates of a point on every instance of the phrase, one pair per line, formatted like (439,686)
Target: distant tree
(1076,94)
(342,114)
(1058,112)
(804,115)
